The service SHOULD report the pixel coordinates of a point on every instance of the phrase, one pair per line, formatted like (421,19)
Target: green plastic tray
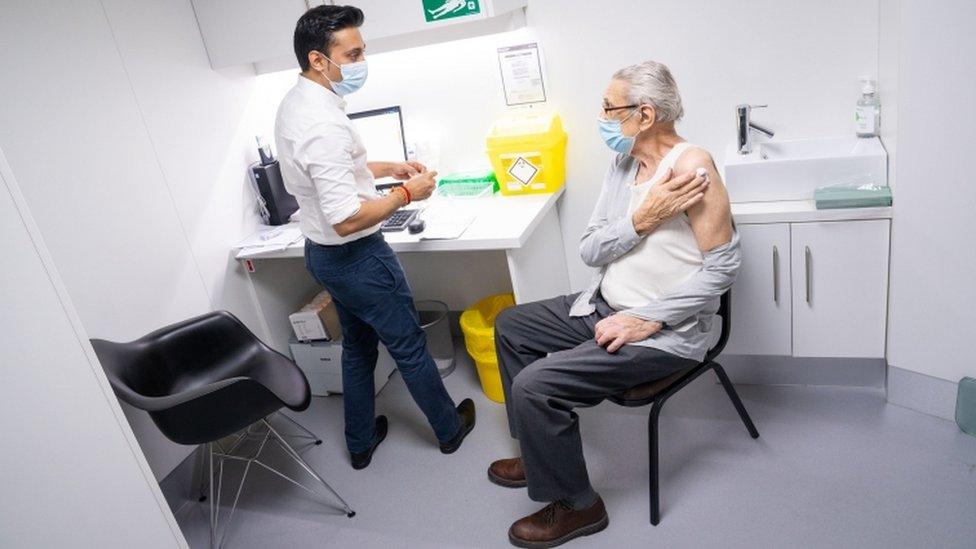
(468,183)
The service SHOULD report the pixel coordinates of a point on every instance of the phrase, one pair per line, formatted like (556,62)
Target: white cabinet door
(240,32)
(761,294)
(840,288)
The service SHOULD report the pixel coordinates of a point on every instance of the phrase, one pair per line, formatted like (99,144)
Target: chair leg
(213,508)
(734,396)
(311,435)
(308,468)
(652,459)
(200,472)
(240,486)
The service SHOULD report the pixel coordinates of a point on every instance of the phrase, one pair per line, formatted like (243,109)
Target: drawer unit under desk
(322,363)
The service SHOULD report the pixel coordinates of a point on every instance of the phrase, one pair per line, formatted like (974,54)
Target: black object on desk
(278,205)
(416,226)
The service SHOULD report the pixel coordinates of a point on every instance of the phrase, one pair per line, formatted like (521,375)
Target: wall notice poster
(521,74)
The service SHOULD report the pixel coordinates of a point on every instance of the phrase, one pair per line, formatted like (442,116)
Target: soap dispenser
(867,115)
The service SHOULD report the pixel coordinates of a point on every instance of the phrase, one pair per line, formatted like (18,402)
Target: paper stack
(269,239)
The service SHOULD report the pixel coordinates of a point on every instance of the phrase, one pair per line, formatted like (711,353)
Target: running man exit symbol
(439,10)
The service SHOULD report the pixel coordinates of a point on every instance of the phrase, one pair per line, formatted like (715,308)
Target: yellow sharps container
(528,153)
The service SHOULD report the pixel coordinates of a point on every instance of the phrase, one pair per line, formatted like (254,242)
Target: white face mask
(353,76)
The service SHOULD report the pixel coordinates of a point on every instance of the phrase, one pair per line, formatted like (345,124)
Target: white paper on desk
(250,251)
(444,224)
(272,238)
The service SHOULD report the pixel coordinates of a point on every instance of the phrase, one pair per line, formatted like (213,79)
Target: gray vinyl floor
(834,467)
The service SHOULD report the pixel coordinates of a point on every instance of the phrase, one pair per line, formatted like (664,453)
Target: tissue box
(318,320)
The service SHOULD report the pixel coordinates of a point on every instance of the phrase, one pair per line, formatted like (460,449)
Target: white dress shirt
(323,161)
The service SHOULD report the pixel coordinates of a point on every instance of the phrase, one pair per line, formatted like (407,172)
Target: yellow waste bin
(478,326)
(528,153)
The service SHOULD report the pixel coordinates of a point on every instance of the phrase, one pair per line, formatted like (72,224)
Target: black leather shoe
(466,413)
(360,460)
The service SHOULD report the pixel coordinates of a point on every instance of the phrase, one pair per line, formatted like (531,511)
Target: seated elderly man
(662,238)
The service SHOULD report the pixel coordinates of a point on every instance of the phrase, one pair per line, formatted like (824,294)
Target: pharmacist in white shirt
(324,165)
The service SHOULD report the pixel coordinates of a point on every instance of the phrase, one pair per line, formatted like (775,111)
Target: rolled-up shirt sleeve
(327,156)
(719,269)
(605,238)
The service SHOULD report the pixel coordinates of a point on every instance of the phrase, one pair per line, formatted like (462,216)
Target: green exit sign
(439,10)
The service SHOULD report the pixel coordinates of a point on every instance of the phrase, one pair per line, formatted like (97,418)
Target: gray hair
(651,83)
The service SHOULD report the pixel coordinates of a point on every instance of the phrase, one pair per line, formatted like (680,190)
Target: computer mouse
(416,226)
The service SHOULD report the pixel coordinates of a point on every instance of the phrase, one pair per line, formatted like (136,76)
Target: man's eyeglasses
(608,110)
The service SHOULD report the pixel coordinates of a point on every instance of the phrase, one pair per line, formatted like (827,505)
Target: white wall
(449,95)
(933,266)
(802,58)
(131,153)
(72,475)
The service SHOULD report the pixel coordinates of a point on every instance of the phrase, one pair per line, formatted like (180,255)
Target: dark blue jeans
(375,304)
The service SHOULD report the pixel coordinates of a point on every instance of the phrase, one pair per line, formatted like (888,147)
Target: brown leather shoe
(509,473)
(557,523)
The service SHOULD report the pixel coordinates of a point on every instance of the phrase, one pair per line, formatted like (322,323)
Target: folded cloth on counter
(865,196)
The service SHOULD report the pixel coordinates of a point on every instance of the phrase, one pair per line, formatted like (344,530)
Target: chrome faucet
(744,126)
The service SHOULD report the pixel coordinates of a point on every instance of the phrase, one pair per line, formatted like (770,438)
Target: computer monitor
(382,133)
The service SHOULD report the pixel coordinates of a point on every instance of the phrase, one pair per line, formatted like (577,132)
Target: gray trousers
(542,391)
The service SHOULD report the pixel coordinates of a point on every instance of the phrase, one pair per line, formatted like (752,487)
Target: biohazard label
(523,170)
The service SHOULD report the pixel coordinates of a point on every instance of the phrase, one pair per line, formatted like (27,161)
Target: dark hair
(314,29)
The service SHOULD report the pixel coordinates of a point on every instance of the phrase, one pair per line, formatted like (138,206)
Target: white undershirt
(660,262)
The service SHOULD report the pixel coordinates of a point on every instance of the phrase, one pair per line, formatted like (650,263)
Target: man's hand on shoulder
(670,197)
(617,330)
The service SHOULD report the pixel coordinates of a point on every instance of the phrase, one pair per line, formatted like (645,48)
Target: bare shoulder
(711,219)
(696,157)
(693,158)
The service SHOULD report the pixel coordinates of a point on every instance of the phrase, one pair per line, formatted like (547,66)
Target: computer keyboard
(399,220)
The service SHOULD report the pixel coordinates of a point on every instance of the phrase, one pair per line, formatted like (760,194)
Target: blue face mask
(613,135)
(353,77)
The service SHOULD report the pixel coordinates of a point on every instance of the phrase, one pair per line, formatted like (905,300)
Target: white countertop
(500,223)
(505,222)
(799,211)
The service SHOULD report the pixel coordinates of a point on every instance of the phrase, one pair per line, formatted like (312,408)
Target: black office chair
(205,379)
(656,393)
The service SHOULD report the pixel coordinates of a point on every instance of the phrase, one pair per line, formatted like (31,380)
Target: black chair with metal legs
(658,392)
(208,378)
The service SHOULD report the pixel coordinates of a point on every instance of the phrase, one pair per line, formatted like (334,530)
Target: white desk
(525,228)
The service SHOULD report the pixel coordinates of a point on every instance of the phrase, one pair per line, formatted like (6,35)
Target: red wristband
(407,191)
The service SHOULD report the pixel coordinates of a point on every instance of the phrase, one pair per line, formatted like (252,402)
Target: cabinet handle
(808,258)
(775,275)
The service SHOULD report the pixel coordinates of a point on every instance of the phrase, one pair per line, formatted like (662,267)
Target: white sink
(791,170)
